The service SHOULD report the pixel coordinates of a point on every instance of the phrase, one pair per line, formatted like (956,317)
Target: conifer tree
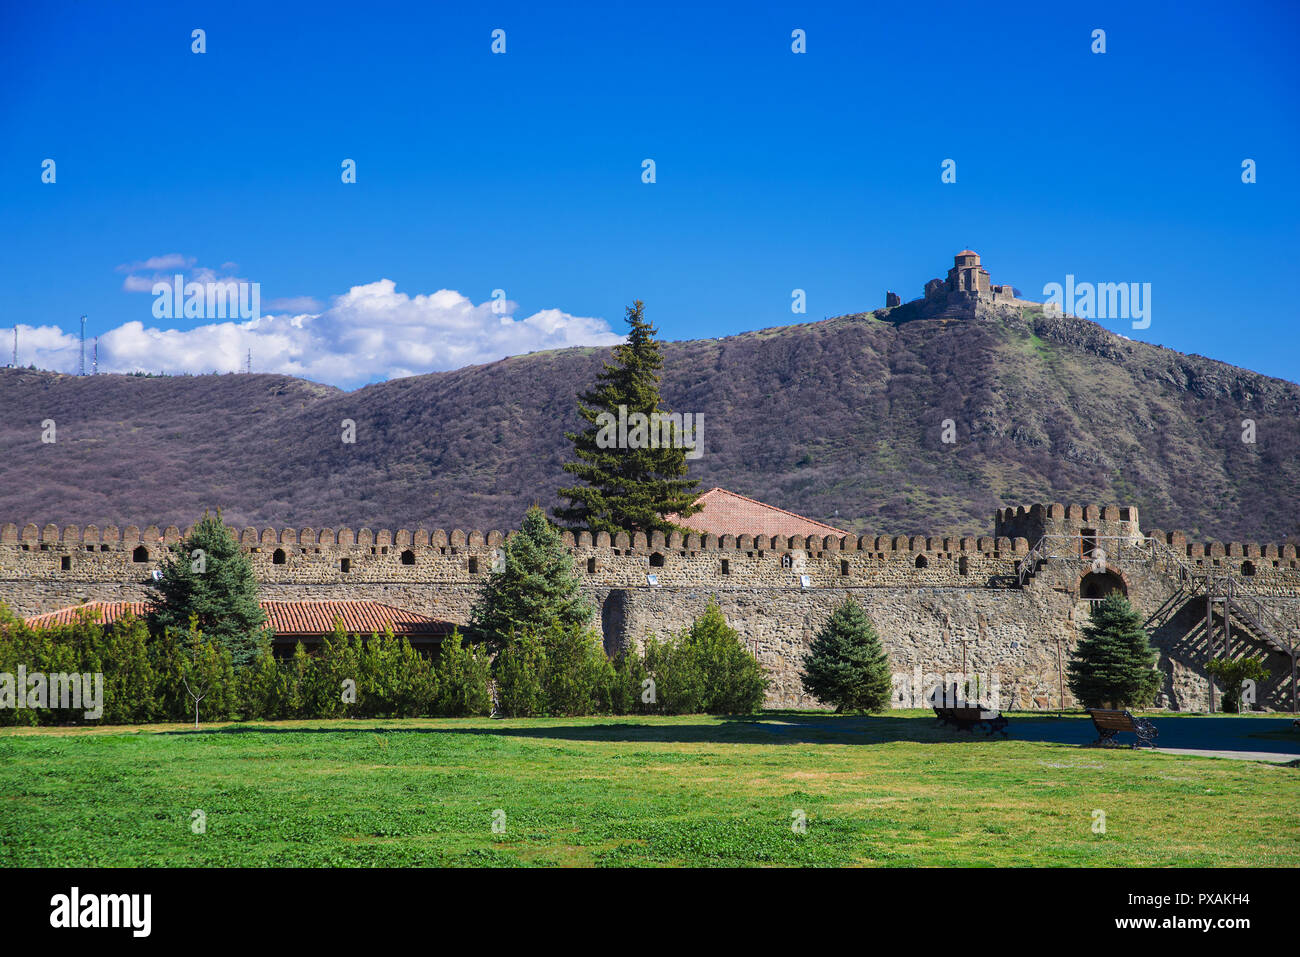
(207,578)
(518,671)
(1114,664)
(706,668)
(627,489)
(577,674)
(534,587)
(462,677)
(847,665)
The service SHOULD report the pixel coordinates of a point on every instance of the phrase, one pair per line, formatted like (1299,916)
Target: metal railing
(1264,622)
(1187,580)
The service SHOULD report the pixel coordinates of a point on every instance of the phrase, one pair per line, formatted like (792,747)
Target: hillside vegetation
(840,420)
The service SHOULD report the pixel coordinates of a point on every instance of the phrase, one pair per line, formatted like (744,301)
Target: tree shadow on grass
(777,729)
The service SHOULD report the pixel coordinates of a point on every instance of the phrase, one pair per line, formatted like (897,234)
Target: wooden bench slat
(1110,722)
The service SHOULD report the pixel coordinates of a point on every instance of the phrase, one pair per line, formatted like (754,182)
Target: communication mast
(83,346)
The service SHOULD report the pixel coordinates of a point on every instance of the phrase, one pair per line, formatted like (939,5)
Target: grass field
(626,791)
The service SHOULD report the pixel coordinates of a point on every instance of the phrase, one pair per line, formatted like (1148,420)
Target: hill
(840,420)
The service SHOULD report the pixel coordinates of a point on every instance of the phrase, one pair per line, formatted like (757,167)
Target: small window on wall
(408,557)
(65,563)
(277,557)
(656,560)
(345,564)
(1248,568)
(963,565)
(787,560)
(844,568)
(726,566)
(141,554)
(591,566)
(1088,541)
(922,561)
(473,566)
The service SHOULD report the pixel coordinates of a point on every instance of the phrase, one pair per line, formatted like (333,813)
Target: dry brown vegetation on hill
(840,420)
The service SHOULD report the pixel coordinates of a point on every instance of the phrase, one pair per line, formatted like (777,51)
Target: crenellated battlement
(935,598)
(339,556)
(1016,530)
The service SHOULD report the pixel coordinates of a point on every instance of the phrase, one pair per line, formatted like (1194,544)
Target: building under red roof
(292,621)
(726,513)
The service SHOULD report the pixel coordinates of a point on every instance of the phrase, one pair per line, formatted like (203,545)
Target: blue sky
(523,171)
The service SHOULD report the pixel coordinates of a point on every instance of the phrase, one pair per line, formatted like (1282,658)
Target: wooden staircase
(1240,608)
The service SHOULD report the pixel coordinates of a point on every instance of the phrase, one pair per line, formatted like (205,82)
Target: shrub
(130,681)
(577,674)
(706,669)
(462,675)
(196,679)
(628,688)
(264,691)
(144,676)
(518,671)
(1231,673)
(338,660)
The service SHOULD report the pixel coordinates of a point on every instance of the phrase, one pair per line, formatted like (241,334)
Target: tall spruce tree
(847,665)
(1113,664)
(534,587)
(208,583)
(627,489)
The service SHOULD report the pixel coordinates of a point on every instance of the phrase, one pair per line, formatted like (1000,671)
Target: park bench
(1110,723)
(967,717)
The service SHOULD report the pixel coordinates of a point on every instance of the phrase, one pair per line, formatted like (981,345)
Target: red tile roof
(103,611)
(287,618)
(726,513)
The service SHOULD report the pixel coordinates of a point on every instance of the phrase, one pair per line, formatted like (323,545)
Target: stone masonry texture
(937,602)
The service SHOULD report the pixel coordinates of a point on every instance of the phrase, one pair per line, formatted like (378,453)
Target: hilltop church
(967,293)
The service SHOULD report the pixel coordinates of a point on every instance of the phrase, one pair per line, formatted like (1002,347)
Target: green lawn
(626,791)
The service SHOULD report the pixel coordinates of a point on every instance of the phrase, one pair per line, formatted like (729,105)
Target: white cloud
(370,332)
(165,268)
(137,284)
(157,263)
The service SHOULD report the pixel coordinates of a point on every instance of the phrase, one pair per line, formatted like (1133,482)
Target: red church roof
(286,618)
(726,513)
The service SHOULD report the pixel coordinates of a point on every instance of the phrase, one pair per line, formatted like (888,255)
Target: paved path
(1217,737)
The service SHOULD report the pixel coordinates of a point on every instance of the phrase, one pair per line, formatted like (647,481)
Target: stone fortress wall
(937,601)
